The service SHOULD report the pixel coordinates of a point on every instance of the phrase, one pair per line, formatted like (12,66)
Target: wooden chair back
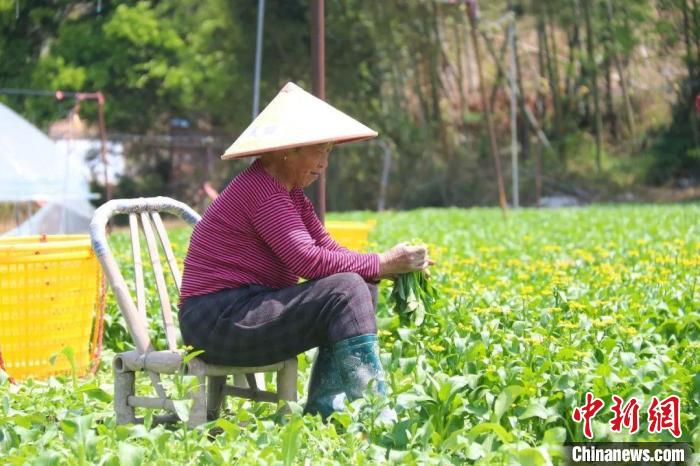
(146,212)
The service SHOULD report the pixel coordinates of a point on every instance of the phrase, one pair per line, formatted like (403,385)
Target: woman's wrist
(384,265)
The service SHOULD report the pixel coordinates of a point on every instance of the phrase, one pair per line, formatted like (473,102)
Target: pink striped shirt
(257,232)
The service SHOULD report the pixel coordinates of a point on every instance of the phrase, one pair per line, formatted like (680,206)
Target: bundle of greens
(412,297)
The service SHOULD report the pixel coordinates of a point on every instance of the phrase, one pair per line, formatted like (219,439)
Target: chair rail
(126,206)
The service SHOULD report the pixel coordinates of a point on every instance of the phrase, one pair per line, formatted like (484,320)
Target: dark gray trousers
(255,325)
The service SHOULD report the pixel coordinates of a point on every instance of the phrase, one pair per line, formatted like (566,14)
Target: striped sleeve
(280,225)
(316,229)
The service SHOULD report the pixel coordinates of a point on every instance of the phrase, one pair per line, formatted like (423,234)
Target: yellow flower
(567,324)
(576,306)
(585,255)
(604,321)
(463,327)
(536,338)
(436,347)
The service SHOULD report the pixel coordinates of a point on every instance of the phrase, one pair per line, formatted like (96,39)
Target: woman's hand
(403,258)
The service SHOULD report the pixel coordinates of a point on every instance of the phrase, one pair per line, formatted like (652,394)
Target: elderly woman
(241,300)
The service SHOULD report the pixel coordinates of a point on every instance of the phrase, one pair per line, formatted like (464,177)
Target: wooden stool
(212,386)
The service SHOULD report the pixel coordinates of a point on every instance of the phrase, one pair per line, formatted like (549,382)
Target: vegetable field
(529,314)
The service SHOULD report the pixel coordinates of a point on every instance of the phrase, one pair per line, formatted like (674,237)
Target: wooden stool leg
(215,396)
(260,380)
(239,380)
(124,387)
(198,414)
(287,381)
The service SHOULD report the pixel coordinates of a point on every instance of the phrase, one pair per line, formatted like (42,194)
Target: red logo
(625,416)
(661,415)
(665,415)
(588,412)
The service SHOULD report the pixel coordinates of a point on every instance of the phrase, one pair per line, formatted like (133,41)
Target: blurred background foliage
(611,83)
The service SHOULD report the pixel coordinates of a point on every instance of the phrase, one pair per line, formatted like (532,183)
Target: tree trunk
(514,118)
(553,82)
(540,111)
(696,29)
(487,112)
(467,55)
(593,74)
(694,85)
(523,129)
(542,73)
(629,112)
(435,51)
(610,117)
(689,62)
(554,61)
(574,44)
(460,68)
(499,72)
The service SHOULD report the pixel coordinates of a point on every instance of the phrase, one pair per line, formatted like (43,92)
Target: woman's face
(304,165)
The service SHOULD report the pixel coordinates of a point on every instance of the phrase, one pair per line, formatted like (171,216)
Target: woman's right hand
(403,258)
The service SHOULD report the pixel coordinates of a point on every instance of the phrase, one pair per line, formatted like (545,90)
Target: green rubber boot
(359,364)
(358,361)
(326,393)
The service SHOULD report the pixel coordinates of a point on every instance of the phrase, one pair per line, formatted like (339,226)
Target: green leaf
(131,455)
(554,436)
(531,457)
(96,393)
(503,435)
(182,408)
(628,359)
(191,355)
(538,409)
(290,441)
(47,459)
(420,314)
(505,400)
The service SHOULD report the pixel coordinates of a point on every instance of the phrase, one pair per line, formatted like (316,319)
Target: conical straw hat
(296,118)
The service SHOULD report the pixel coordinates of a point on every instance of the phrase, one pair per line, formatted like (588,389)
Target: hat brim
(335,141)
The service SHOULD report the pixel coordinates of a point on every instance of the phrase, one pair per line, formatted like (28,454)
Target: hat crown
(296,118)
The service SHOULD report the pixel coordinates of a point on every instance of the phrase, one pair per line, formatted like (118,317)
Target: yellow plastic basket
(50,289)
(352,235)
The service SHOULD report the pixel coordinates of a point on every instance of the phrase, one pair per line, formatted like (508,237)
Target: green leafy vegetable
(412,297)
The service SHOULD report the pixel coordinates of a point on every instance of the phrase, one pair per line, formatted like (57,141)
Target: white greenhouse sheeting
(57,219)
(31,169)
(81,149)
